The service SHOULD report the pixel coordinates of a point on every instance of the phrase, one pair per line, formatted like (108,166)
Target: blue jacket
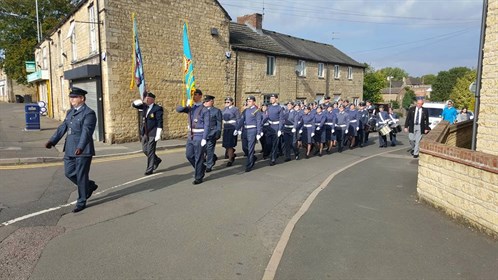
(198,121)
(214,123)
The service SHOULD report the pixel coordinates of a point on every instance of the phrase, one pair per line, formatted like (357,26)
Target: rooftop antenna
(263,7)
(333,36)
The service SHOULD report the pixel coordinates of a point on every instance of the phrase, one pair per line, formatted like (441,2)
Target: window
(60,48)
(65,102)
(44,58)
(301,68)
(337,97)
(270,65)
(337,72)
(356,101)
(74,55)
(319,98)
(350,73)
(321,70)
(93,26)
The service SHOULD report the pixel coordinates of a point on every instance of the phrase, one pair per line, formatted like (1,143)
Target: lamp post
(38,31)
(389,78)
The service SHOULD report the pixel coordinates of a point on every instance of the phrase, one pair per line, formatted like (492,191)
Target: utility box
(32,112)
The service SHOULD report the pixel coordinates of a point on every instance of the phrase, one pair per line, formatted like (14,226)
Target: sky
(420,36)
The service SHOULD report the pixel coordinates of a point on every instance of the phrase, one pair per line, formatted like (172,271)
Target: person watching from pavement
(449,113)
(79,150)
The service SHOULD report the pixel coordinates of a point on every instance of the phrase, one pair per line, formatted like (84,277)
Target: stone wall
(487,136)
(462,182)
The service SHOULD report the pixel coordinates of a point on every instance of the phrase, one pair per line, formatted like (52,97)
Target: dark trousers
(248,145)
(77,169)
(273,142)
(210,155)
(382,140)
(361,136)
(340,135)
(195,155)
(290,143)
(392,138)
(149,149)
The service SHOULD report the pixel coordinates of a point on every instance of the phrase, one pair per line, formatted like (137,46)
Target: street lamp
(389,78)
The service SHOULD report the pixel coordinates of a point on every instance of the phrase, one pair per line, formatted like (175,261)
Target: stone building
(452,176)
(92,49)
(9,89)
(270,62)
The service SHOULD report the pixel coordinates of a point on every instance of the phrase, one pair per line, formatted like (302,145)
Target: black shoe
(297,157)
(340,150)
(254,158)
(361,145)
(93,187)
(393,145)
(208,170)
(156,164)
(248,169)
(411,152)
(79,209)
(272,163)
(415,156)
(197,181)
(229,163)
(320,154)
(147,173)
(287,159)
(306,156)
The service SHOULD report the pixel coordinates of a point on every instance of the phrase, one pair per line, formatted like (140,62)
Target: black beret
(150,94)
(228,99)
(274,95)
(327,98)
(251,97)
(75,92)
(198,91)
(208,97)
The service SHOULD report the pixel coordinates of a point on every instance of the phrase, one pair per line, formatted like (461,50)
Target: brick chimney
(254,20)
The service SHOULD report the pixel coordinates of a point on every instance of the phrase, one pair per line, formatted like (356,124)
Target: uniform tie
(416,115)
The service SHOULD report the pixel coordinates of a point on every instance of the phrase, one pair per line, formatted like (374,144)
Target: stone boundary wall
(462,182)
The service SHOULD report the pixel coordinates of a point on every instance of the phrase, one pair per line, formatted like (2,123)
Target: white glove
(318,128)
(312,134)
(262,133)
(258,137)
(346,132)
(239,132)
(235,132)
(138,102)
(279,133)
(300,131)
(293,130)
(358,128)
(203,142)
(158,134)
(333,131)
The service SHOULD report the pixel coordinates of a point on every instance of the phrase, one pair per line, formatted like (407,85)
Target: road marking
(74,202)
(278,252)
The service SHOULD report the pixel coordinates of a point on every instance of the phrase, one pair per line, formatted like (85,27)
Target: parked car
(435,112)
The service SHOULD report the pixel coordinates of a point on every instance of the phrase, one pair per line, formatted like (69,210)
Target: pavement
(18,146)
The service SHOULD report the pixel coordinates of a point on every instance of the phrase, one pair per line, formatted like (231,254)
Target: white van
(435,112)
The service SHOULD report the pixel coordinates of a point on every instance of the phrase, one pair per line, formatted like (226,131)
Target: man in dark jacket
(417,123)
(79,126)
(214,131)
(151,128)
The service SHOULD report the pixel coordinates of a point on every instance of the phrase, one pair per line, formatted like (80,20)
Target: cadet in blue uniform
(308,130)
(274,115)
(341,127)
(150,129)
(362,124)
(320,136)
(330,120)
(291,119)
(250,125)
(198,131)
(353,126)
(214,131)
(231,116)
(265,145)
(79,126)
(394,120)
(382,119)
(326,103)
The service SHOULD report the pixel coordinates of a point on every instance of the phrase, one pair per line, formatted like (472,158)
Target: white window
(60,48)
(337,97)
(301,68)
(65,101)
(321,70)
(44,58)
(350,73)
(93,28)
(356,101)
(74,54)
(337,72)
(270,65)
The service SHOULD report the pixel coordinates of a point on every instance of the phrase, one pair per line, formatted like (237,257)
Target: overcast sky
(419,36)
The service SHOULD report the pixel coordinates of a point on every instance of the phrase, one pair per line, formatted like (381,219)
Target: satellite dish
(473,87)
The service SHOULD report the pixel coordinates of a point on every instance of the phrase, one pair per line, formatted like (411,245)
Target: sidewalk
(18,146)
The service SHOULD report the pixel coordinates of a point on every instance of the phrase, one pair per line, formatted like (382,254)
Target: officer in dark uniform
(198,131)
(214,131)
(231,117)
(341,127)
(274,115)
(363,122)
(79,126)
(250,127)
(150,129)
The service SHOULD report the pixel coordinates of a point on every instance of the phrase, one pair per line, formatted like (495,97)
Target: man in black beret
(79,126)
(151,128)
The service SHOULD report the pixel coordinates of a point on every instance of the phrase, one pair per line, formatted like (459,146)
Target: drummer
(394,122)
(382,120)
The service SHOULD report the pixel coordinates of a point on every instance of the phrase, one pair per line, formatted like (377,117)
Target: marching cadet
(335,111)
(231,116)
(341,127)
(371,119)
(382,118)
(320,136)
(308,130)
(265,145)
(326,102)
(214,131)
(353,126)
(274,115)
(394,120)
(198,131)
(250,127)
(291,120)
(362,124)
(330,120)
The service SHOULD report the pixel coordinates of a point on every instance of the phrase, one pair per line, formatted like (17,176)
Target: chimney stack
(254,20)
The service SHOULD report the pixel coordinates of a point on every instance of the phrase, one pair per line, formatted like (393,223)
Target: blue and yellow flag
(188,68)
(137,68)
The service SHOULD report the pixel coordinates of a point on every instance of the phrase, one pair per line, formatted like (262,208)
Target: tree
(397,73)
(445,82)
(18,32)
(461,95)
(373,83)
(429,79)
(408,98)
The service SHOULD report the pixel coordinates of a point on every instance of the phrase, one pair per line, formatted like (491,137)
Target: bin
(19,98)
(32,112)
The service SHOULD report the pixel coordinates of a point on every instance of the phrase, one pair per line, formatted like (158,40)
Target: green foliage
(397,73)
(461,95)
(395,104)
(408,99)
(445,82)
(18,32)
(429,79)
(373,83)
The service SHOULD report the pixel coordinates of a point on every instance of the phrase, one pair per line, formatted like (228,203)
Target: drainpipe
(236,76)
(100,98)
(479,74)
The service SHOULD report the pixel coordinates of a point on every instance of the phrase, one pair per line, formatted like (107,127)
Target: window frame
(350,73)
(302,68)
(74,46)
(271,65)
(321,70)
(92,28)
(337,72)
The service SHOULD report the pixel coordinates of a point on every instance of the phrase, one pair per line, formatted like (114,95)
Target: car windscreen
(435,112)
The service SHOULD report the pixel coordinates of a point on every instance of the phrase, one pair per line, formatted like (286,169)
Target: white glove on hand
(258,137)
(138,102)
(239,132)
(158,134)
(333,131)
(203,142)
(293,130)
(262,133)
(279,133)
(346,132)
(312,134)
(318,128)
(235,132)
(358,128)
(300,131)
